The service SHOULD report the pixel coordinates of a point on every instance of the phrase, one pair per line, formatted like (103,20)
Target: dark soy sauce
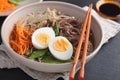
(110,9)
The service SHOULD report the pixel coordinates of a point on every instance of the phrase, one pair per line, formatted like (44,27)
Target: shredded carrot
(6,6)
(20,38)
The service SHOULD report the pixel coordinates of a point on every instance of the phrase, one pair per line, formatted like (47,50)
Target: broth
(110,9)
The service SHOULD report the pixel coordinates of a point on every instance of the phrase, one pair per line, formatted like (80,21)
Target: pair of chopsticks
(85,28)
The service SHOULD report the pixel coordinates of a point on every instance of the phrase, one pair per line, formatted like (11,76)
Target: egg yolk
(43,38)
(61,45)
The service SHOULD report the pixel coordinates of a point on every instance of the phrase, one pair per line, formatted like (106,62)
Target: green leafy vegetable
(38,53)
(27,53)
(15,1)
(48,58)
(56,29)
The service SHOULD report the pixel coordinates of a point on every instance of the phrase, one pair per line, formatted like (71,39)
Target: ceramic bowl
(67,8)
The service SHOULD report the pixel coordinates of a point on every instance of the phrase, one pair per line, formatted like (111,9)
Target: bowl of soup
(44,36)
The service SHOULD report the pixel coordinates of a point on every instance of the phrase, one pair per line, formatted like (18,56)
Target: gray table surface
(104,66)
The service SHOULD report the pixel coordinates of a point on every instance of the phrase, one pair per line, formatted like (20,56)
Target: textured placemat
(110,29)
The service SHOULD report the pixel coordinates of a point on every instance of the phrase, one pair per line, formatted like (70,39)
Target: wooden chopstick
(84,54)
(77,53)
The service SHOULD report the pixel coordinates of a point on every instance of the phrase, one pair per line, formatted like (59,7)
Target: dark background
(104,66)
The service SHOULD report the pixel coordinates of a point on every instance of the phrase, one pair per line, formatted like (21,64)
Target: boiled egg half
(42,36)
(60,48)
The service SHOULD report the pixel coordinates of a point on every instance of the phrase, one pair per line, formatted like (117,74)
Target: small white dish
(26,2)
(107,9)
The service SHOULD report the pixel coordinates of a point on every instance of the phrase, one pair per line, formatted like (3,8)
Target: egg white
(46,30)
(66,55)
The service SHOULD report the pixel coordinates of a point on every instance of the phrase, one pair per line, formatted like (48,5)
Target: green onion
(56,29)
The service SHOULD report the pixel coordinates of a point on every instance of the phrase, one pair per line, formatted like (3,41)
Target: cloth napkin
(110,29)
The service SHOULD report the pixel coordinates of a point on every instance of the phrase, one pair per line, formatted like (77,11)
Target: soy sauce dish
(44,36)
(108,9)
